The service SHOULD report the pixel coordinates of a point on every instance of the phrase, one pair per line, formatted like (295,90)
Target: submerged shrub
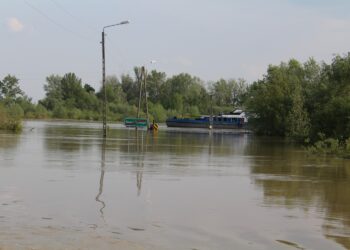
(331,146)
(11,117)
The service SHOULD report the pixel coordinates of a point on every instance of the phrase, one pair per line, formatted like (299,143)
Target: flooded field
(63,187)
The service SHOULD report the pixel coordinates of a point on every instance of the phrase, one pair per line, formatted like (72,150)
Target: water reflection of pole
(141,76)
(139,171)
(210,141)
(100,190)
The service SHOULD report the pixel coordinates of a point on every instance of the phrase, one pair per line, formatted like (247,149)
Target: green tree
(182,91)
(327,99)
(228,94)
(67,98)
(53,92)
(158,112)
(222,92)
(277,101)
(130,88)
(27,106)
(53,88)
(72,90)
(9,89)
(155,80)
(89,89)
(114,90)
(297,121)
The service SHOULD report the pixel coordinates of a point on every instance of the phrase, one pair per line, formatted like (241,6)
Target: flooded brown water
(63,187)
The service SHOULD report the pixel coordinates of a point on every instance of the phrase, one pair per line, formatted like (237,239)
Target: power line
(123,59)
(60,6)
(54,22)
(119,51)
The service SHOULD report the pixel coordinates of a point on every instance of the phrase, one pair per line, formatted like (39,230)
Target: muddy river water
(63,187)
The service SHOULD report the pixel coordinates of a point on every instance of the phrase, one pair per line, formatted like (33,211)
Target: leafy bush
(331,146)
(158,113)
(10,118)
(59,112)
(327,146)
(74,113)
(41,112)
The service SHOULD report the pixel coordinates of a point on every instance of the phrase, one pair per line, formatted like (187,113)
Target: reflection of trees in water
(8,140)
(8,144)
(137,147)
(337,197)
(184,143)
(291,178)
(166,151)
(145,151)
(69,139)
(71,147)
(136,151)
(141,149)
(63,139)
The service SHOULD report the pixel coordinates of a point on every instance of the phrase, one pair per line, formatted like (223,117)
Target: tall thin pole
(145,86)
(139,80)
(211,112)
(104,109)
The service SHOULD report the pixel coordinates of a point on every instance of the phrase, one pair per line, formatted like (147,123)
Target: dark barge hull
(195,124)
(178,124)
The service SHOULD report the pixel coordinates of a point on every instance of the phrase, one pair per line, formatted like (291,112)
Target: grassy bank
(10,118)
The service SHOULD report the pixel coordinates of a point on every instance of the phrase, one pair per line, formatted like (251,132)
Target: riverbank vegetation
(15,105)
(306,102)
(181,95)
(10,111)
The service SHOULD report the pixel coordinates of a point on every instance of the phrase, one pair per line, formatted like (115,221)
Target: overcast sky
(211,39)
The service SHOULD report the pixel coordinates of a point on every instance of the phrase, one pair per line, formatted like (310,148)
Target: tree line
(67,97)
(308,102)
(304,101)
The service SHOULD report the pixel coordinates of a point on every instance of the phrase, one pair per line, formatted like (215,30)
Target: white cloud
(14,24)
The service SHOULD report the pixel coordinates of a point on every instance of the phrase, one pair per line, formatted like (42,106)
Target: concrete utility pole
(145,86)
(104,109)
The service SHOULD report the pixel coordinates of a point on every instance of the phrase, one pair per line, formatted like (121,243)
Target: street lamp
(104,111)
